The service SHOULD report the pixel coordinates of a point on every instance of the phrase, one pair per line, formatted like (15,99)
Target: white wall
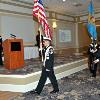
(22,27)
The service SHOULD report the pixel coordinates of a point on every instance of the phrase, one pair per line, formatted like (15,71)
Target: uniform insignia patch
(51,51)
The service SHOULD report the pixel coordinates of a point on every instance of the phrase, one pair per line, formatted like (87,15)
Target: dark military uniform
(92,57)
(47,70)
(1,49)
(97,56)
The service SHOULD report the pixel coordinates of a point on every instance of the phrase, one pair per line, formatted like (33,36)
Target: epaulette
(91,44)
(51,50)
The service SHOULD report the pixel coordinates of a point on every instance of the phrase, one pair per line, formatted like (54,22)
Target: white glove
(96,61)
(47,70)
(93,51)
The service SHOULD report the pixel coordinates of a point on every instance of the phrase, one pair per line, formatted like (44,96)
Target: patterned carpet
(34,65)
(78,86)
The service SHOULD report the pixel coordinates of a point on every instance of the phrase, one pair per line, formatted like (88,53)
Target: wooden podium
(13,53)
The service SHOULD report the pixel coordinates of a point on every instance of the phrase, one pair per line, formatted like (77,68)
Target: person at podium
(39,39)
(1,50)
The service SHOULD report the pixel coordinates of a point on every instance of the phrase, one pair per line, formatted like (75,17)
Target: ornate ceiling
(73,7)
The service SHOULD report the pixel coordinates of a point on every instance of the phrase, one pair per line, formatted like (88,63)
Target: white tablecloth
(31,52)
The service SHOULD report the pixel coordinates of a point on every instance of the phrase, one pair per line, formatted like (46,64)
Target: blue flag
(91,21)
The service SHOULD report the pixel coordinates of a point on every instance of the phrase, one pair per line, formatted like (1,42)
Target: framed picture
(64,35)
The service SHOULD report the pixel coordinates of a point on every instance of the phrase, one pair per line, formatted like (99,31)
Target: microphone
(12,35)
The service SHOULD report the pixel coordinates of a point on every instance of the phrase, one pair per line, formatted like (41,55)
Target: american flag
(39,12)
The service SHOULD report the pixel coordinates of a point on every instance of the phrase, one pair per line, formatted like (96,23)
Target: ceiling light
(64,0)
(77,4)
(54,25)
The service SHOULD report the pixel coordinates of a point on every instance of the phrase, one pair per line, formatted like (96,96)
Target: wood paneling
(13,59)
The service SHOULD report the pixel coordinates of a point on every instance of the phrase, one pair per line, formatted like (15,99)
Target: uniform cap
(46,38)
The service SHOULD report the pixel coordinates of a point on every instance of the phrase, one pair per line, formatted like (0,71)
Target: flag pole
(39,27)
(41,43)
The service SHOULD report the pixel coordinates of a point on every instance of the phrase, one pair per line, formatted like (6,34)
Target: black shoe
(94,76)
(1,64)
(54,91)
(34,92)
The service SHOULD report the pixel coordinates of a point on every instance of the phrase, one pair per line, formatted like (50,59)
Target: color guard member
(48,68)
